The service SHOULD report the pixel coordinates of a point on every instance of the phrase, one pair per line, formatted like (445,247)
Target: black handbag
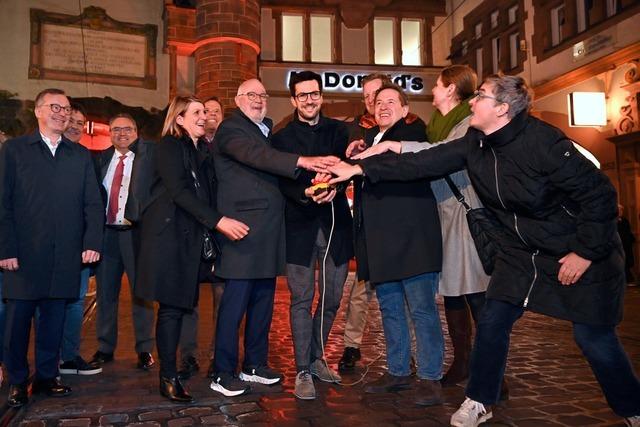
(484,227)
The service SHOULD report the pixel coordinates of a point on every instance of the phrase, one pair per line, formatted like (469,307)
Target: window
(557,24)
(478,30)
(612,7)
(479,64)
(513,14)
(383,40)
(581,15)
(495,52)
(321,38)
(514,45)
(292,38)
(465,47)
(494,18)
(411,45)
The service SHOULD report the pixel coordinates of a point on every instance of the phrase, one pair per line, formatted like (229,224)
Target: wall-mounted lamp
(587,109)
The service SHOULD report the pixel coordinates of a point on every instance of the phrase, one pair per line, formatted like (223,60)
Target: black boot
(459,324)
(348,361)
(172,389)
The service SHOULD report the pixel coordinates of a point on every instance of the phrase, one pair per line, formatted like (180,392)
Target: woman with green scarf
(462,282)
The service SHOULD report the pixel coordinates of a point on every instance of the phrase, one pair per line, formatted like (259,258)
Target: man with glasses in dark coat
(50,222)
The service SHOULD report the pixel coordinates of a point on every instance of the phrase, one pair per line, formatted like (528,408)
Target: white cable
(324,288)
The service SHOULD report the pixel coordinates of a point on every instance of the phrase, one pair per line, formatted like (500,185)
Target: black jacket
(551,200)
(397,228)
(247,169)
(172,226)
(304,217)
(50,212)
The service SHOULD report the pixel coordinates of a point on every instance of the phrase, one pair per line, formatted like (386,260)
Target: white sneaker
(470,414)
(323,372)
(633,421)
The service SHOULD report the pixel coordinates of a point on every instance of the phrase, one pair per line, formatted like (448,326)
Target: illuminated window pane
(292,38)
(494,18)
(321,39)
(411,42)
(479,64)
(514,46)
(383,40)
(513,14)
(557,25)
(495,52)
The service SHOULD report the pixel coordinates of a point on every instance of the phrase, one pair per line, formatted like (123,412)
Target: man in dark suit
(310,216)
(50,223)
(70,360)
(125,171)
(247,169)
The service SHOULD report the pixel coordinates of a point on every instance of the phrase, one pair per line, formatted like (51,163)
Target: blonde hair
(178,107)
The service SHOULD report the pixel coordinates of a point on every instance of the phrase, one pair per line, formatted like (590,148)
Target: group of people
(229,203)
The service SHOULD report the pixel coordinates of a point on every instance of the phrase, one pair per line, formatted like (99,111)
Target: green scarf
(439,126)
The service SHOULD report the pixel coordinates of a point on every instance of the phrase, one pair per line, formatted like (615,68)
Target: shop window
(557,24)
(383,40)
(495,54)
(292,38)
(478,32)
(411,35)
(513,14)
(494,18)
(514,47)
(321,38)
(479,64)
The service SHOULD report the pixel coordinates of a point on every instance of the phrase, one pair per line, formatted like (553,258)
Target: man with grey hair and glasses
(50,223)
(247,169)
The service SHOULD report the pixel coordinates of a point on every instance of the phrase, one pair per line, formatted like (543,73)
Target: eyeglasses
(125,130)
(482,95)
(253,96)
(303,96)
(56,108)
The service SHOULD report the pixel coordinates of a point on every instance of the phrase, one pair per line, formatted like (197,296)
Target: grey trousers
(307,340)
(117,258)
(189,331)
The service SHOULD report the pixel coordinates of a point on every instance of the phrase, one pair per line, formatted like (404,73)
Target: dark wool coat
(172,226)
(551,201)
(304,217)
(247,169)
(50,212)
(397,228)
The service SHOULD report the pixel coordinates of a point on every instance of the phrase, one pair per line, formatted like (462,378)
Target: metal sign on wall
(92,47)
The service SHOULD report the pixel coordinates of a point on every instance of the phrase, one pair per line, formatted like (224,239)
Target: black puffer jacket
(551,200)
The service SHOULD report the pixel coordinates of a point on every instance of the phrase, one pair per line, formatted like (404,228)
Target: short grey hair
(512,90)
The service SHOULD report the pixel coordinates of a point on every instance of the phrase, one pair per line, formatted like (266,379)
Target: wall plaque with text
(92,47)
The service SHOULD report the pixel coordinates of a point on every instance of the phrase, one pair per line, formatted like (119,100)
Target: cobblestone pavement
(550,383)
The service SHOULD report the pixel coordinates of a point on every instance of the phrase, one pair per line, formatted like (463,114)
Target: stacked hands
(572,265)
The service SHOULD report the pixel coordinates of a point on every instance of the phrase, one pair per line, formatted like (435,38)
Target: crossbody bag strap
(456,192)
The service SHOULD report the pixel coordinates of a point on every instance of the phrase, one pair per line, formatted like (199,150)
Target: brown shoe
(428,393)
(388,384)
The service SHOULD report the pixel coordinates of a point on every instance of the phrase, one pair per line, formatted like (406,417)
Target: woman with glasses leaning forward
(560,254)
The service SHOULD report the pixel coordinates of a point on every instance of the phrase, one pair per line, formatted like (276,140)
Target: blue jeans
(74,313)
(599,344)
(419,292)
